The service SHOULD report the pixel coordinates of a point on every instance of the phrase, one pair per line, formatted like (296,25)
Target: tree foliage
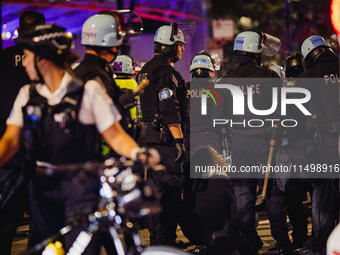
(303,17)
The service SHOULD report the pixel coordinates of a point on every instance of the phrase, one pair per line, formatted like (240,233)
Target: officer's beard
(175,56)
(115,54)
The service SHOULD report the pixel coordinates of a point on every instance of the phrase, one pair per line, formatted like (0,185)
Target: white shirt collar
(55,97)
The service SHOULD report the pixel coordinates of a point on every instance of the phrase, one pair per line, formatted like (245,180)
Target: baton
(261,197)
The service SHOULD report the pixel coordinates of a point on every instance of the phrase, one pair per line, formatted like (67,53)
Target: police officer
(163,110)
(14,200)
(323,66)
(13,75)
(124,66)
(209,212)
(294,65)
(295,189)
(102,34)
(59,121)
(202,66)
(250,146)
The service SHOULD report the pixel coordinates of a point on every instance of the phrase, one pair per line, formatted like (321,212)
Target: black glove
(181,151)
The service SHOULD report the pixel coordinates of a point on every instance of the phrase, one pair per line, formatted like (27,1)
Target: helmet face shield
(185,30)
(270,45)
(217,61)
(180,32)
(133,24)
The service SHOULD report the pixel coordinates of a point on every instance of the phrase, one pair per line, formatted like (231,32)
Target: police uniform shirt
(262,93)
(325,90)
(96,106)
(94,67)
(12,77)
(166,93)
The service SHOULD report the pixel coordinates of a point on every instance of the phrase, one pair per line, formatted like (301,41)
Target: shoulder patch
(165,94)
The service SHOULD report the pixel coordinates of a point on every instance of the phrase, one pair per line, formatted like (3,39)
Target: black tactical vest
(93,68)
(54,134)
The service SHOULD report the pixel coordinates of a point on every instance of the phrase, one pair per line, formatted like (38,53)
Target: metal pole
(132,5)
(120,5)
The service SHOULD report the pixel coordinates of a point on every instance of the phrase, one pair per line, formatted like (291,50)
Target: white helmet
(311,43)
(166,35)
(169,36)
(248,41)
(206,61)
(103,30)
(124,64)
(253,42)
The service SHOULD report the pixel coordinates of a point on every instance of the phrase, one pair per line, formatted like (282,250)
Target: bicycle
(125,198)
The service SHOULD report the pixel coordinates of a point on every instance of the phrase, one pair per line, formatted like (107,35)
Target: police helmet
(247,41)
(103,30)
(203,63)
(166,40)
(313,47)
(202,60)
(124,64)
(253,42)
(294,65)
(311,43)
(168,35)
(48,41)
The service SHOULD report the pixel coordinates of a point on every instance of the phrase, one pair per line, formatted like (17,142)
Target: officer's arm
(10,143)
(119,140)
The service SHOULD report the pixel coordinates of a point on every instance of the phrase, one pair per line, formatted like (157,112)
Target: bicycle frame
(121,199)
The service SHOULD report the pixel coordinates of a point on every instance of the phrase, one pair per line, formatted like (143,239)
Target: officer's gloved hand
(181,151)
(127,99)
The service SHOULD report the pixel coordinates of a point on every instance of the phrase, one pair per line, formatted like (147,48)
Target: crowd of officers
(67,115)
